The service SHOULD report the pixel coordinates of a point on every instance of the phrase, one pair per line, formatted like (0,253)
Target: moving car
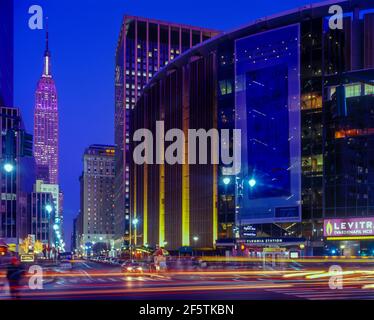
(134,267)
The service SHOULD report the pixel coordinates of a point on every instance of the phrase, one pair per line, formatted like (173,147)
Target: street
(90,280)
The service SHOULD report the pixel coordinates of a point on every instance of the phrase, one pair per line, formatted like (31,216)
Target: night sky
(83,38)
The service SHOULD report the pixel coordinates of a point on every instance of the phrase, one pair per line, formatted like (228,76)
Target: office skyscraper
(46,124)
(97,194)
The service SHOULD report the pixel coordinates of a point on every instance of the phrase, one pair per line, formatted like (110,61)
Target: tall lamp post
(195,239)
(49,209)
(134,222)
(250,181)
(226,181)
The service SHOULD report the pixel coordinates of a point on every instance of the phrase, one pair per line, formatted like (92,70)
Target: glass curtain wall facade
(268,115)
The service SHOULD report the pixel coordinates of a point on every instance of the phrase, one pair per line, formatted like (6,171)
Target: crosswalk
(114,280)
(318,293)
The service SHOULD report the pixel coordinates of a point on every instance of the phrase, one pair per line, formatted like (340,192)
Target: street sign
(268,241)
(248,231)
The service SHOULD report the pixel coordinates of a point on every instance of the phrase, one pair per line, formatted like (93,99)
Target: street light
(226,180)
(49,208)
(252,182)
(195,239)
(135,221)
(8,167)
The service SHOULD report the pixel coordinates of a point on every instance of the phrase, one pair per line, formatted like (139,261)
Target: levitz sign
(349,227)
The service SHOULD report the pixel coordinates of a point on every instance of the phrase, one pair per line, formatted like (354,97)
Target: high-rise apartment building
(144,47)
(97,195)
(46,124)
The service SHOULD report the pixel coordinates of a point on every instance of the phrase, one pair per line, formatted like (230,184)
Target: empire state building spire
(47,55)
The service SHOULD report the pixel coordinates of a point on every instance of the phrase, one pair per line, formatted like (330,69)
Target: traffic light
(242,247)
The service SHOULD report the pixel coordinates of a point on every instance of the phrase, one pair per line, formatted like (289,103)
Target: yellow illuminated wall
(185,206)
(134,213)
(215,177)
(185,171)
(162,206)
(145,205)
(215,209)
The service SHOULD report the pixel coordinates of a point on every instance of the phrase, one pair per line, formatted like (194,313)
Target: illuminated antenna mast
(47,53)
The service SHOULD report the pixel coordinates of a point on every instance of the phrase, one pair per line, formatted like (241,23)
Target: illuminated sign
(272,240)
(355,227)
(27,258)
(274,250)
(294,255)
(248,231)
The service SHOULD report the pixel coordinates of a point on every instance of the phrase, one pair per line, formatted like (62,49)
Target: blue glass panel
(267,92)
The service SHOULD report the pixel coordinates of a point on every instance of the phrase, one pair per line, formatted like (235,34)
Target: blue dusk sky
(83,38)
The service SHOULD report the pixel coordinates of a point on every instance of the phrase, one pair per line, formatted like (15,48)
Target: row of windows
(354,90)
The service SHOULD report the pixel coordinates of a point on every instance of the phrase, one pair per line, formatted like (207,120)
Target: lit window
(353,90)
(369,89)
(225,87)
(311,100)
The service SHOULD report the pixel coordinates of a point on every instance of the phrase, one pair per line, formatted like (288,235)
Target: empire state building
(46,124)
